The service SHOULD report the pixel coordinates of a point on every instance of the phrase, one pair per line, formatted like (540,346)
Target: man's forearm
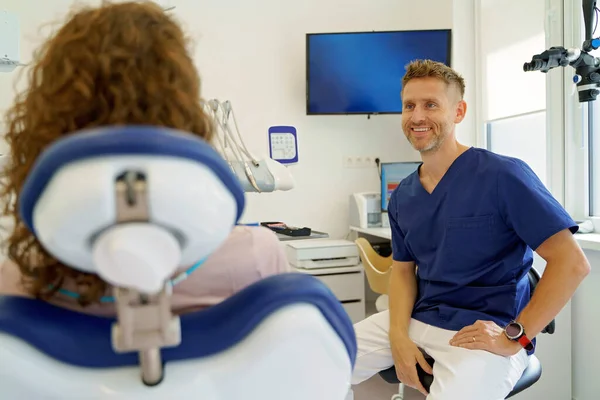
(402,293)
(557,286)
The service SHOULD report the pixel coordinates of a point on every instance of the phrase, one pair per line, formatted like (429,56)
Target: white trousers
(459,374)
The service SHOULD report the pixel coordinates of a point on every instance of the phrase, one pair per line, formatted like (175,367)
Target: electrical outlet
(359,161)
(349,162)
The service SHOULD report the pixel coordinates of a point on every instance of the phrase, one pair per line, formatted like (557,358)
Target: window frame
(577,128)
(555,29)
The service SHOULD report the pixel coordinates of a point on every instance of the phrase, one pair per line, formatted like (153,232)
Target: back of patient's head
(434,69)
(115,64)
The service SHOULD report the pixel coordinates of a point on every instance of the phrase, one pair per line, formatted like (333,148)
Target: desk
(313,235)
(383,233)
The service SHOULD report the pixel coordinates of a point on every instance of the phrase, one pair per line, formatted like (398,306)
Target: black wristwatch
(516,332)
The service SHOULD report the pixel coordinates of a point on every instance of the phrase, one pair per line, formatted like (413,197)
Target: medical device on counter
(365,210)
(322,253)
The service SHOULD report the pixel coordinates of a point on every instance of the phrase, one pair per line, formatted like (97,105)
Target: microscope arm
(589,10)
(587,67)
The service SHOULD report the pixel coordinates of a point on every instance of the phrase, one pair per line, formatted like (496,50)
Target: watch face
(513,330)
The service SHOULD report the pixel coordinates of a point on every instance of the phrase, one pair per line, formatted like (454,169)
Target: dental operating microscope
(587,67)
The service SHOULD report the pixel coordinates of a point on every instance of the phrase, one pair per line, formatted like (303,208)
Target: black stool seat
(531,375)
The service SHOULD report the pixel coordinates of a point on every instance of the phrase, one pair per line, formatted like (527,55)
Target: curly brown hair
(115,64)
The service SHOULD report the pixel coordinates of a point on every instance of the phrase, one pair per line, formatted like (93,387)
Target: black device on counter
(281,227)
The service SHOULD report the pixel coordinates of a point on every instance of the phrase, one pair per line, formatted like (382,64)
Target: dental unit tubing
(256,175)
(138,259)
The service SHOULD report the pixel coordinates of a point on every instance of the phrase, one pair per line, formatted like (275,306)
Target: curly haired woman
(116,64)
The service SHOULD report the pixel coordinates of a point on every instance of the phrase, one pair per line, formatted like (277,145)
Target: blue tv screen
(361,72)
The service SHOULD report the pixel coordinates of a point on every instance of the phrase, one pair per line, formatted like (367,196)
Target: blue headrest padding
(123,140)
(85,341)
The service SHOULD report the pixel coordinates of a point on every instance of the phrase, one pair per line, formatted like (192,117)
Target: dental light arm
(255,175)
(587,67)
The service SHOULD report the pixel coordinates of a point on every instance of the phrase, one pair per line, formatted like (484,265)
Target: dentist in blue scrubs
(464,229)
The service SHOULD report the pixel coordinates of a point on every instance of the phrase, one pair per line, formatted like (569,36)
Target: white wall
(257,59)
(586,327)
(464,61)
(253,53)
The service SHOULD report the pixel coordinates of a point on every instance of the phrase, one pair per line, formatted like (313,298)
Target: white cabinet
(347,285)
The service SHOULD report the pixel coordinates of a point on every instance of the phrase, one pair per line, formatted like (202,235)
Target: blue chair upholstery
(60,347)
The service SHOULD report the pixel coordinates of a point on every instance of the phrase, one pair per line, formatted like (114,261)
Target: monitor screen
(361,72)
(391,175)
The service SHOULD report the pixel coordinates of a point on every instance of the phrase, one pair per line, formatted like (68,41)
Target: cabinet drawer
(350,286)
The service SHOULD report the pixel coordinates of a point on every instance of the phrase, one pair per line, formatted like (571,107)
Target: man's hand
(406,355)
(485,335)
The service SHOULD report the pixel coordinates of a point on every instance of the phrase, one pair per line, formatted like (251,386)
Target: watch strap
(525,342)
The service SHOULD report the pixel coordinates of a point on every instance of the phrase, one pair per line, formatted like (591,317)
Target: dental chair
(142,207)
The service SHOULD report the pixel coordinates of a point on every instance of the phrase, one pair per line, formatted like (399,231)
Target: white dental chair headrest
(69,203)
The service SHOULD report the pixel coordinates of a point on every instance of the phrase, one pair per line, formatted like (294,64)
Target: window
(594,157)
(572,134)
(514,103)
(582,136)
(521,136)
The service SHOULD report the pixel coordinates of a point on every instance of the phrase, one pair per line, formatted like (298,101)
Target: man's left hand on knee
(485,335)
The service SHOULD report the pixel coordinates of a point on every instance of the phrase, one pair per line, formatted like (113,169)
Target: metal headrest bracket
(144,321)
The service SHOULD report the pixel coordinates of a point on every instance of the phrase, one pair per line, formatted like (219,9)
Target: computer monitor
(391,175)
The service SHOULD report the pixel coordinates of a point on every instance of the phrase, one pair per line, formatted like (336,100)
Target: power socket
(359,161)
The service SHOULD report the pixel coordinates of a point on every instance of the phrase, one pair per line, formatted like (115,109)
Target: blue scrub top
(472,238)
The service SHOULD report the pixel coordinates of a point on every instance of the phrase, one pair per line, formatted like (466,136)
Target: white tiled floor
(374,389)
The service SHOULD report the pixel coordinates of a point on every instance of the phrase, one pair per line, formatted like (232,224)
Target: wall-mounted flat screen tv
(361,72)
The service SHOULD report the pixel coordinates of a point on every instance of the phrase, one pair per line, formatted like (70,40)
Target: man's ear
(461,111)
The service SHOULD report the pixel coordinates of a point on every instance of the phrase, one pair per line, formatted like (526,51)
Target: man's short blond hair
(434,69)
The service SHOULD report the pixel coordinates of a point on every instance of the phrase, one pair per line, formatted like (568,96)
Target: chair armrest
(549,329)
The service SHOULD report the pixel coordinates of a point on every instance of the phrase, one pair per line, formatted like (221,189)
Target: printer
(337,264)
(322,253)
